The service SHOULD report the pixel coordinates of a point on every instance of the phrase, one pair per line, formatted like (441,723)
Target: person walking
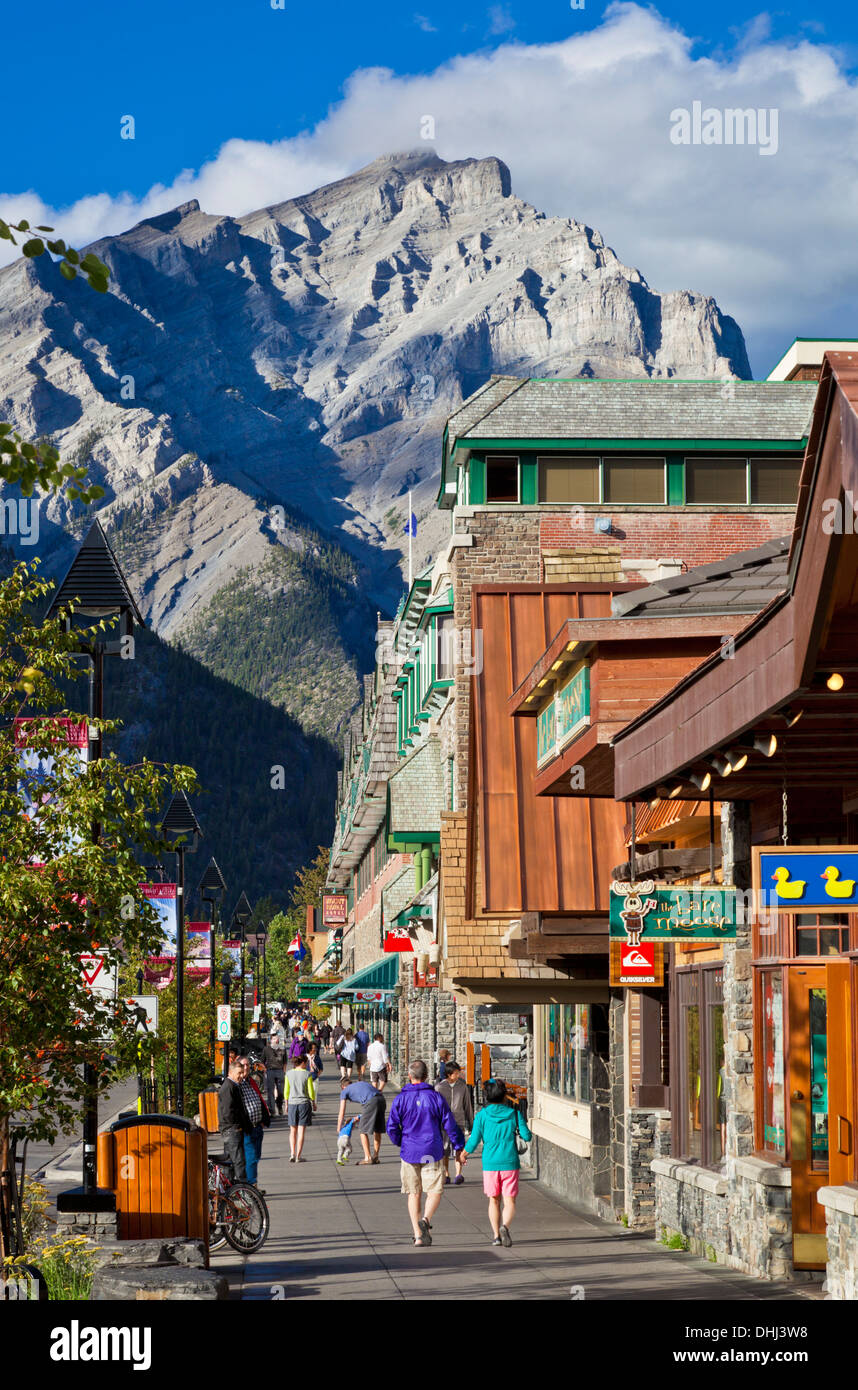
(259,1119)
(361,1045)
(325,1034)
(298,1046)
(373,1110)
(274,1060)
(378,1062)
(314,1063)
(337,1033)
(348,1048)
(443,1063)
(301,1102)
(232,1119)
(458,1096)
(497,1127)
(418,1119)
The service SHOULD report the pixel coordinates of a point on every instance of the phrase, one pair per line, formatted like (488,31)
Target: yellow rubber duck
(838,887)
(784,888)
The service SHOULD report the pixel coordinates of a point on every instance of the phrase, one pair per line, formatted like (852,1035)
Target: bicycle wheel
(217,1232)
(247,1227)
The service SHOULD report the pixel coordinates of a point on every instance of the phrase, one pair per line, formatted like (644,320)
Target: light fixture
(722,764)
(702,781)
(767,744)
(674,791)
(791,715)
(738,757)
(835,681)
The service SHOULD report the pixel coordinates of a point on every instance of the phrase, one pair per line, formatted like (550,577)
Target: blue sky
(246,104)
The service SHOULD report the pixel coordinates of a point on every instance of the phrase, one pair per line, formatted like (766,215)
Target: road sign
(369,996)
(149,1002)
(224,1022)
(92,966)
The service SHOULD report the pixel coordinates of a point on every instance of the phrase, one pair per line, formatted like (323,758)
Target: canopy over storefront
(382,974)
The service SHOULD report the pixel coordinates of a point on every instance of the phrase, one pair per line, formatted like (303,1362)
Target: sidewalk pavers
(343,1233)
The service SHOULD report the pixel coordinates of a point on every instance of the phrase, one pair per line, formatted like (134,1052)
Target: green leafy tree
(28,464)
(69,874)
(283,979)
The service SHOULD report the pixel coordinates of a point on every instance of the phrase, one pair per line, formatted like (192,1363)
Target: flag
(410,527)
(296,948)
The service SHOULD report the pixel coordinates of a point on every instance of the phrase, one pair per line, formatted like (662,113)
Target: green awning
(382,974)
(415,913)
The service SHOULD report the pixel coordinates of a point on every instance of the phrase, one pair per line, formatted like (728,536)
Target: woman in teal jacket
(495,1128)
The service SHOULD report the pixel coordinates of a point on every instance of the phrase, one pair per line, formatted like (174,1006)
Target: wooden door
(841,1078)
(808,1111)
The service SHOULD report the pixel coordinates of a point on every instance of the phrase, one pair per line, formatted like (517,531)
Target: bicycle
(238,1214)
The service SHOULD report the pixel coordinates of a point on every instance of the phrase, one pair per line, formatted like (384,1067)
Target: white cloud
(584,125)
(425,24)
(500,20)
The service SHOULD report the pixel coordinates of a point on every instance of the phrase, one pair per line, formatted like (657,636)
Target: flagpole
(410,541)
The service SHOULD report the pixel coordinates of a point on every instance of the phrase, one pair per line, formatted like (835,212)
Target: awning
(382,974)
(417,912)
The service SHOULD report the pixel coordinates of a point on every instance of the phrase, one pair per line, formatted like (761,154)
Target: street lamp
(211,890)
(262,944)
(95,587)
(226,981)
(241,916)
(181,825)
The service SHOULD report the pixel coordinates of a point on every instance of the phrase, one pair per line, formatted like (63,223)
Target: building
(773,1084)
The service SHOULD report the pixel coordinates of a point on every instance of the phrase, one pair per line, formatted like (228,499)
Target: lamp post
(241,916)
(211,890)
(181,825)
(262,951)
(95,587)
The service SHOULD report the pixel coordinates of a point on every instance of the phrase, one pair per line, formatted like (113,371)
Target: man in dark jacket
(232,1120)
(274,1059)
(418,1119)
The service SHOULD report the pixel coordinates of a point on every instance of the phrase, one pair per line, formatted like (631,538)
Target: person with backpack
(499,1128)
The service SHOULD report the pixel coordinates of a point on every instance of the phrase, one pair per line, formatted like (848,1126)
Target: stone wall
(647,1138)
(841,1215)
(741,1219)
(617,1082)
(567,1174)
(692,1202)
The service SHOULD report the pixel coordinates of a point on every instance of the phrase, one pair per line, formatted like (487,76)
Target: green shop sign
(647,910)
(565,715)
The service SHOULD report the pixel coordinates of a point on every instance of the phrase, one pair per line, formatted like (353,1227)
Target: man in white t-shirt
(378,1062)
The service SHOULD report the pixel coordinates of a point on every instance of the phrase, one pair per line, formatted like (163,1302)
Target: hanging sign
(819,876)
(398,939)
(638,966)
(162,897)
(335,909)
(425,979)
(645,910)
(368,996)
(38,768)
(233,950)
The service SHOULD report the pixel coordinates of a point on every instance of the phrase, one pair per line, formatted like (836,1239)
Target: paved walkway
(343,1233)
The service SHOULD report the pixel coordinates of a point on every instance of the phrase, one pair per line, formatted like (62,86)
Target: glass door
(808,1111)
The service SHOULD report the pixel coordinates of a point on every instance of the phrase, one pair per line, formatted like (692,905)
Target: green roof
(382,974)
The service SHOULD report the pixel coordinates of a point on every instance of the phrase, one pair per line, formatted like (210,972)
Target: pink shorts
(503,1183)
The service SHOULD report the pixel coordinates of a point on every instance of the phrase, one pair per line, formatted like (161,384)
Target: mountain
(257,395)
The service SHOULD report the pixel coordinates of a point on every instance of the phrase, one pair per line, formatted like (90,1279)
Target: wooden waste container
(158,1167)
(208,1109)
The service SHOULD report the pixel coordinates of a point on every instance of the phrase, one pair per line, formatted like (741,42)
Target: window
(501,478)
(634,480)
(821,933)
(771,990)
(567,1051)
(445,648)
(775,480)
(697,1021)
(564,480)
(716,480)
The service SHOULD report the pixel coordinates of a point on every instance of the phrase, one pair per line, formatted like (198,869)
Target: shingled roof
(650,408)
(742,583)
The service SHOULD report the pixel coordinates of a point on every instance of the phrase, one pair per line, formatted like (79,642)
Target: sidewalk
(343,1233)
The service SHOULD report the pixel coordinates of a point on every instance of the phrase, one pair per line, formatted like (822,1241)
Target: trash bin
(157,1165)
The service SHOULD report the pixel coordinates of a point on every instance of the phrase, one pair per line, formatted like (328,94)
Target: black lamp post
(262,945)
(241,916)
(95,588)
(211,890)
(181,825)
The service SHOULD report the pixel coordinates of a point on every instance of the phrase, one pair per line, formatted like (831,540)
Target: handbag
(520,1144)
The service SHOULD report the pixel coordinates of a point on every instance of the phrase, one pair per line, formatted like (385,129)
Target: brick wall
(693,535)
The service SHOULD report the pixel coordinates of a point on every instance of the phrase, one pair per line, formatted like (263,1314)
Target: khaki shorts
(428,1177)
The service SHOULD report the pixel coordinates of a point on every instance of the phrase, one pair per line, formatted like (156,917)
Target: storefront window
(699,1075)
(566,1055)
(819,1077)
(774,1109)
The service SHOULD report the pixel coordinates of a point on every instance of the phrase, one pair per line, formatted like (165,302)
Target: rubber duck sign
(824,876)
(647,910)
